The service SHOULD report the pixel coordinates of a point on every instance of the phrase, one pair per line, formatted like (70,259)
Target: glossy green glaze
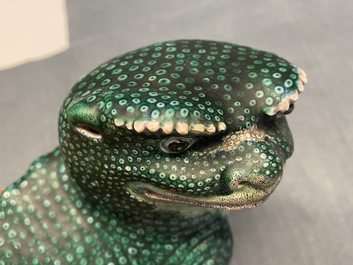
(154,145)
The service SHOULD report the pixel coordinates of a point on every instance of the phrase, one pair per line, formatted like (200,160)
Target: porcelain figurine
(154,146)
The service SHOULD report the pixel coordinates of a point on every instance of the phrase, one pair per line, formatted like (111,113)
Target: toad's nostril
(239,185)
(231,181)
(237,180)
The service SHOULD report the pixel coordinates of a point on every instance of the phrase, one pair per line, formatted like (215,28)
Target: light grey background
(308,220)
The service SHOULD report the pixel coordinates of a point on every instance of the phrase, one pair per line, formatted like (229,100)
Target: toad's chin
(246,196)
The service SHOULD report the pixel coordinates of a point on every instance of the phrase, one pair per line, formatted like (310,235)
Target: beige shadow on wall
(31,30)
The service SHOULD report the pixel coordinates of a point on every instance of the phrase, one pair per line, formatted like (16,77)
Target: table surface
(308,219)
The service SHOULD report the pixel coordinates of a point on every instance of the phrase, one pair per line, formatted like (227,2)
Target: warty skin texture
(154,145)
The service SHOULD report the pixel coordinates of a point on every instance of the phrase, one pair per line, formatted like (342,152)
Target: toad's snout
(234,180)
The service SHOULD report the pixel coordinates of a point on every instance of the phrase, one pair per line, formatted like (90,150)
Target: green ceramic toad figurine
(154,145)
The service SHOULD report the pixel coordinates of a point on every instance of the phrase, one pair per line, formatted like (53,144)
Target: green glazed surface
(154,145)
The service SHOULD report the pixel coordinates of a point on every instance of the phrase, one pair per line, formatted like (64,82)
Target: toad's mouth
(246,196)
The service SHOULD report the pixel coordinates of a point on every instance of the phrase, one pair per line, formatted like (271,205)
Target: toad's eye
(290,109)
(174,145)
(88,131)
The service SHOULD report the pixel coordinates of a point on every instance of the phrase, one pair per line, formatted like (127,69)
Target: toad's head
(189,122)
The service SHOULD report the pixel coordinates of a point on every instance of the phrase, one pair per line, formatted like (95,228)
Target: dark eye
(88,131)
(174,145)
(290,109)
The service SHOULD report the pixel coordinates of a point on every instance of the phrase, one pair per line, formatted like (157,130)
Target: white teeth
(302,80)
(294,97)
(291,98)
(211,129)
(302,76)
(300,86)
(285,103)
(168,127)
(182,128)
(282,106)
(152,126)
(222,126)
(198,128)
(139,126)
(129,125)
(118,122)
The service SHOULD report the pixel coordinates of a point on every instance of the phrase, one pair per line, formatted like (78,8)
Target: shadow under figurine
(154,145)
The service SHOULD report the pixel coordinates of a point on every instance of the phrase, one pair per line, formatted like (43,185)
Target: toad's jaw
(246,196)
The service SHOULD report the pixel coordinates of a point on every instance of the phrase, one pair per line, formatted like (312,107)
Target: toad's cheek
(245,195)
